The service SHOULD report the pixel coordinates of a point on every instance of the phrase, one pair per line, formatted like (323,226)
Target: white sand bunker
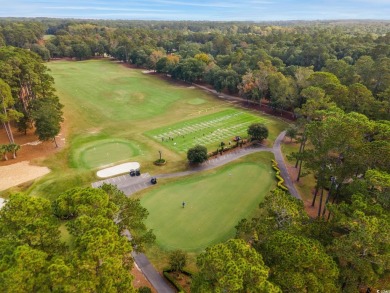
(116,170)
(18,173)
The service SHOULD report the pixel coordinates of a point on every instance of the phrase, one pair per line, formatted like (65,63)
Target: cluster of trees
(96,256)
(27,95)
(282,250)
(271,61)
(347,247)
(342,148)
(9,148)
(22,34)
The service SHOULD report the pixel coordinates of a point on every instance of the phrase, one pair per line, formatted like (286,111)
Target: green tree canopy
(47,114)
(97,256)
(278,211)
(362,244)
(232,267)
(7,111)
(177,260)
(299,264)
(258,131)
(197,154)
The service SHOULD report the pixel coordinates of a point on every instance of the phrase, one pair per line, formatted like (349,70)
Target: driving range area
(209,130)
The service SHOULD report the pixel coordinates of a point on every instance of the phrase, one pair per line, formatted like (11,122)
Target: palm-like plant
(13,147)
(4,149)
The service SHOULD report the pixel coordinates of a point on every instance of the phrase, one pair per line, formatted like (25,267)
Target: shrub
(197,154)
(160,162)
(172,280)
(144,289)
(292,132)
(277,175)
(258,131)
(177,260)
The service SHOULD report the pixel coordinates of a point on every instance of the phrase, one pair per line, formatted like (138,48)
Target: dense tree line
(259,61)
(96,256)
(347,246)
(291,252)
(339,147)
(27,95)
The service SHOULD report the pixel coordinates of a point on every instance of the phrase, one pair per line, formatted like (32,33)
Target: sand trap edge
(118,169)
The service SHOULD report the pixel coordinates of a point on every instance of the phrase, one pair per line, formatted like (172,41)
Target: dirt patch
(18,173)
(140,280)
(30,147)
(19,170)
(310,210)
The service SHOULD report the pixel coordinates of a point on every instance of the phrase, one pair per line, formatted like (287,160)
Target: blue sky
(256,10)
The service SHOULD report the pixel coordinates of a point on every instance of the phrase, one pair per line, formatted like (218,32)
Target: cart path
(277,151)
(130,185)
(142,182)
(158,282)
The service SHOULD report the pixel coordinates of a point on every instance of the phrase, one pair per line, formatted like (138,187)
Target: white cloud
(106,8)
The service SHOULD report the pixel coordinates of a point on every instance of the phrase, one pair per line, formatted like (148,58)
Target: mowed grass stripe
(112,92)
(208,130)
(214,205)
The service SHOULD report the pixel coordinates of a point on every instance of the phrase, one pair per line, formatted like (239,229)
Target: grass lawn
(215,202)
(105,101)
(104,152)
(109,108)
(209,130)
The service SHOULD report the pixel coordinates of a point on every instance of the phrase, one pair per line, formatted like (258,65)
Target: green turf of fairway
(108,91)
(106,101)
(209,130)
(104,152)
(214,205)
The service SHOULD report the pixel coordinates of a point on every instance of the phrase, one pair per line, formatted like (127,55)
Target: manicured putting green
(214,204)
(209,130)
(104,152)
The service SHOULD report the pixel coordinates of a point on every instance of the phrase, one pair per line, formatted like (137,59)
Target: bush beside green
(277,175)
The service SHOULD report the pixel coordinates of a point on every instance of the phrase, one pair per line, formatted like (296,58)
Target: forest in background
(334,76)
(257,61)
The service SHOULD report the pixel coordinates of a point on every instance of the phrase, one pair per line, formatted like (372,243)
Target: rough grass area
(209,130)
(214,203)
